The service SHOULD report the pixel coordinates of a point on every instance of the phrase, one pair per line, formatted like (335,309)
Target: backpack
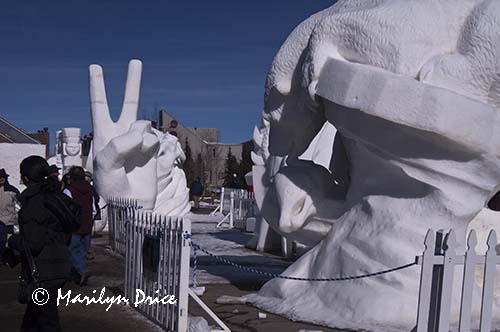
(66,210)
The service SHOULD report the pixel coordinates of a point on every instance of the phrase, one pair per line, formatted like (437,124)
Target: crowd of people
(47,230)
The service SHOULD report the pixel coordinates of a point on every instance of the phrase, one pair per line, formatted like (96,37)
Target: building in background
(209,155)
(17,144)
(43,136)
(10,133)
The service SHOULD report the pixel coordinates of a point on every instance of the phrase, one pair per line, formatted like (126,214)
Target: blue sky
(204,61)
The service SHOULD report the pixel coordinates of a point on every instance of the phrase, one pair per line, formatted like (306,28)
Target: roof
(12,134)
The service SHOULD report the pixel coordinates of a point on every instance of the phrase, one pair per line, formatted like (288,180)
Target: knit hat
(3,173)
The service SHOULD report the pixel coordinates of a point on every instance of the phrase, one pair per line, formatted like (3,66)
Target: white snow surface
(198,324)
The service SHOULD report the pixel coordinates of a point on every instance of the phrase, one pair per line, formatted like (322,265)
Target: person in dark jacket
(97,209)
(65,182)
(54,170)
(196,191)
(45,233)
(82,193)
(4,182)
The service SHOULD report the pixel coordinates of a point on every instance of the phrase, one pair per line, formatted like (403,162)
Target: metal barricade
(236,205)
(244,208)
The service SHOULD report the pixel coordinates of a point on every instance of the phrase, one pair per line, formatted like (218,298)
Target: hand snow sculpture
(413,89)
(132,159)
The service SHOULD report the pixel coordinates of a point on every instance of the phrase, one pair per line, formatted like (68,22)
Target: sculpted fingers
(101,120)
(150,144)
(114,154)
(141,126)
(132,90)
(150,141)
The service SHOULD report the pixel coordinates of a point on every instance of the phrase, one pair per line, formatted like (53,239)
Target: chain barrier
(197,247)
(195,267)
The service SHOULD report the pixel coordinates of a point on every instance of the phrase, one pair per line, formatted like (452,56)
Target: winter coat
(83,194)
(10,188)
(43,232)
(196,188)
(8,214)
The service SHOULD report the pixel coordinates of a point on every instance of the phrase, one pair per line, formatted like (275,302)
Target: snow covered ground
(230,245)
(223,281)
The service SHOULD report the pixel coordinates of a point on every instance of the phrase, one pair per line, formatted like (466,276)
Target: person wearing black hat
(54,170)
(4,182)
(46,220)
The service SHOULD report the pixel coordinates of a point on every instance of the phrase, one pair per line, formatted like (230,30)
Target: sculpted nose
(296,204)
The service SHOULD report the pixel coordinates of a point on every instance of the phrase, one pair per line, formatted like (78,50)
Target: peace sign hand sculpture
(125,153)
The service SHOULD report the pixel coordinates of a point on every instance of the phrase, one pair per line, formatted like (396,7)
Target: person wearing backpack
(46,220)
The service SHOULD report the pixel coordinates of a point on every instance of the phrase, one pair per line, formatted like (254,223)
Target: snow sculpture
(413,88)
(319,152)
(68,149)
(132,159)
(57,158)
(71,147)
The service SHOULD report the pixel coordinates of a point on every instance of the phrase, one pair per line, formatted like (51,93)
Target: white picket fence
(157,258)
(119,211)
(157,263)
(438,268)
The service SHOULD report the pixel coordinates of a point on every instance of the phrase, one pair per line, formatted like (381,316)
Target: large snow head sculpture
(413,90)
(132,159)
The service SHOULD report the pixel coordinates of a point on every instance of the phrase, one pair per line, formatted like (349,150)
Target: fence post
(468,283)
(110,221)
(450,245)
(231,211)
(222,199)
(488,283)
(128,243)
(240,209)
(437,285)
(184,278)
(426,276)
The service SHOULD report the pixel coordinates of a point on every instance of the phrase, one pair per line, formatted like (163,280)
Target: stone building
(204,143)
